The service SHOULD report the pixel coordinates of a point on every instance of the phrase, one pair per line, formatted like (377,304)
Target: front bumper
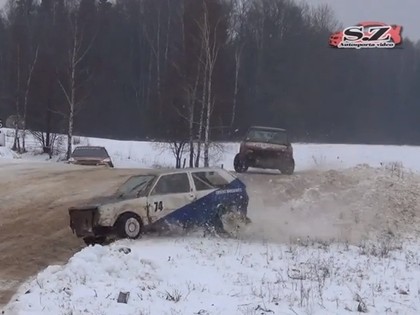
(264,159)
(89,162)
(83,223)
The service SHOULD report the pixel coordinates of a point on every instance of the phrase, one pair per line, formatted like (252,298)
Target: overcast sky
(350,12)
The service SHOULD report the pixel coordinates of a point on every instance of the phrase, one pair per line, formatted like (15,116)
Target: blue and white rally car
(158,198)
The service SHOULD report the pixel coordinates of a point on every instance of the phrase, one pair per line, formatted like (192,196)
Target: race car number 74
(158,206)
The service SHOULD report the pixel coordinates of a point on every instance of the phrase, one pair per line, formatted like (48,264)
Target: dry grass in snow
(193,275)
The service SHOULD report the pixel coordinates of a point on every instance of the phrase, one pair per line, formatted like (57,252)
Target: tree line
(194,71)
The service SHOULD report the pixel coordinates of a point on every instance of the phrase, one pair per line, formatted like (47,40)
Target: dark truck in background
(265,147)
(91,155)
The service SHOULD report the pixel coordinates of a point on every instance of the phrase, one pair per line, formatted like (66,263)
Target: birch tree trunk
(236,87)
(192,101)
(25,103)
(211,51)
(203,107)
(72,94)
(76,56)
(16,144)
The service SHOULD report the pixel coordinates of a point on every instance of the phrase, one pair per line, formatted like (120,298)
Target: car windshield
(92,152)
(136,186)
(268,136)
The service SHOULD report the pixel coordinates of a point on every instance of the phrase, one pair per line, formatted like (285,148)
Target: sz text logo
(367,35)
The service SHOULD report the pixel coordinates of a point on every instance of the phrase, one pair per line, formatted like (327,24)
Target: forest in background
(200,70)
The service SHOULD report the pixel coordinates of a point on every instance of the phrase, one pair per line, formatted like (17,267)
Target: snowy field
(139,154)
(192,274)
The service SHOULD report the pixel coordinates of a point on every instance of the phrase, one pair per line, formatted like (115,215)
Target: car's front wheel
(240,164)
(129,225)
(288,168)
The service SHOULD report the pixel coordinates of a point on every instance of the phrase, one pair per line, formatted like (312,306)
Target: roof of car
(89,147)
(267,128)
(160,171)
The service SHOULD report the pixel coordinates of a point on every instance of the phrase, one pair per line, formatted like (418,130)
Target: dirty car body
(267,148)
(157,199)
(91,155)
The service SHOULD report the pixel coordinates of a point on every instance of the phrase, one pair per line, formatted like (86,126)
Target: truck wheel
(129,225)
(288,168)
(240,164)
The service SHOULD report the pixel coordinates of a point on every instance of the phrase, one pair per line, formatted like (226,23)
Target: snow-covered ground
(7,153)
(210,275)
(192,275)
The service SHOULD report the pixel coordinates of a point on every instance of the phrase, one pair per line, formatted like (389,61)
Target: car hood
(97,202)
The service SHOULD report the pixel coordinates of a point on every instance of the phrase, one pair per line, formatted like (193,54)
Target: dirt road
(34,229)
(342,205)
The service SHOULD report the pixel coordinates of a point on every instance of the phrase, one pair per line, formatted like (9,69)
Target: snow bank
(6,153)
(346,205)
(338,156)
(226,276)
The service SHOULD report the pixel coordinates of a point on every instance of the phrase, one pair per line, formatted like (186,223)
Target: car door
(205,184)
(170,193)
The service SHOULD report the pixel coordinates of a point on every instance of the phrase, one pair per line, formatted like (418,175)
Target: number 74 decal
(158,206)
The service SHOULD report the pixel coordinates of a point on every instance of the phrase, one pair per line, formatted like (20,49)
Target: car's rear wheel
(288,167)
(228,220)
(129,225)
(240,164)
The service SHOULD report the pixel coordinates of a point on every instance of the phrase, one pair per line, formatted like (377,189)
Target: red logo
(367,35)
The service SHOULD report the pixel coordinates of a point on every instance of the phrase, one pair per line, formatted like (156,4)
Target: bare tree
(211,51)
(238,53)
(16,142)
(53,142)
(192,99)
(25,101)
(177,147)
(202,111)
(322,18)
(178,150)
(159,44)
(238,20)
(77,53)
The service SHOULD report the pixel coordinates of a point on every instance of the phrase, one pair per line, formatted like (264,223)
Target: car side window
(210,179)
(200,183)
(172,184)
